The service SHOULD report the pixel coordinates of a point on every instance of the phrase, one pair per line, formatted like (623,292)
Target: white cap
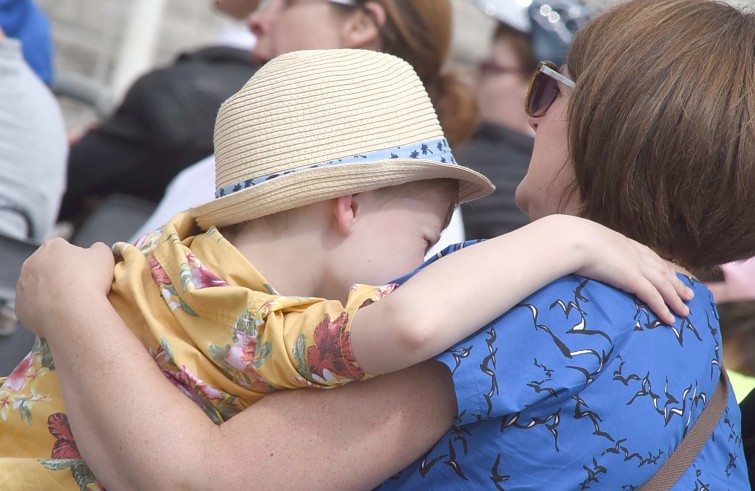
(512,12)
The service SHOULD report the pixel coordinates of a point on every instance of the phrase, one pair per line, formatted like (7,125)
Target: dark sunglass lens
(543,94)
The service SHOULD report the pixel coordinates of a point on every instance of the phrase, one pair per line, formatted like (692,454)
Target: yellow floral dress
(217,330)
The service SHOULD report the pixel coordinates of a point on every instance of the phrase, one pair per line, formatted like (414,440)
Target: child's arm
(430,312)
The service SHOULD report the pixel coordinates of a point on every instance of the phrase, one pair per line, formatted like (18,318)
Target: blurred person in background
(418,31)
(234,31)
(33,148)
(502,143)
(163,125)
(33,151)
(735,300)
(25,21)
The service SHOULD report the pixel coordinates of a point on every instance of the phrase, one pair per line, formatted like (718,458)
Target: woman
(418,31)
(577,387)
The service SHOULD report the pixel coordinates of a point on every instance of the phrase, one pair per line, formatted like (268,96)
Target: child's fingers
(672,296)
(685,293)
(663,277)
(652,293)
(666,292)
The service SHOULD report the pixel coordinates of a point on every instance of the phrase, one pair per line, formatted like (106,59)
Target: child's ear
(345,211)
(362,30)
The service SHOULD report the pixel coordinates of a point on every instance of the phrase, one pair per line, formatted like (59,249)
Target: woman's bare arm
(136,431)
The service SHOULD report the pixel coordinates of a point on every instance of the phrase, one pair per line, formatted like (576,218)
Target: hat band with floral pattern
(436,150)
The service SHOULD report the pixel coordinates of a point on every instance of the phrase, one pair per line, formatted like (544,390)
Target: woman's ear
(362,30)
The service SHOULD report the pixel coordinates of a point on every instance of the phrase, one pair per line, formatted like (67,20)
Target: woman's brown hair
(662,127)
(419,31)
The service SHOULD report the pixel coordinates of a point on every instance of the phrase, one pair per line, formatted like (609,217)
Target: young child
(332,171)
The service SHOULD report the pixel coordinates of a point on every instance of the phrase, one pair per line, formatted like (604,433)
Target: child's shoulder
(445,252)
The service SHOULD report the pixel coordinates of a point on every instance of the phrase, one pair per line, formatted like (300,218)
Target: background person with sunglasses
(649,131)
(502,143)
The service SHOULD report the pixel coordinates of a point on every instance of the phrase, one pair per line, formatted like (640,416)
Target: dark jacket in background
(164,124)
(503,155)
(748,433)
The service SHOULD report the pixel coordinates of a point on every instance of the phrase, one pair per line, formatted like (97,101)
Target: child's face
(393,236)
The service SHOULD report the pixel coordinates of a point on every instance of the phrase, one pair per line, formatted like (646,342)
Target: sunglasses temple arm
(556,75)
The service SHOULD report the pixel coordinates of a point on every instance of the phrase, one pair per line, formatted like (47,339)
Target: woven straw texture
(310,107)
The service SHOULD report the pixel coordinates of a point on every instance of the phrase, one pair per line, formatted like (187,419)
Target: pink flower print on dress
(386,289)
(173,378)
(167,290)
(149,241)
(330,360)
(188,379)
(5,405)
(200,275)
(380,292)
(158,273)
(241,354)
(16,379)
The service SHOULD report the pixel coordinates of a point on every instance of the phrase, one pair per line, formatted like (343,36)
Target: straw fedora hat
(319,124)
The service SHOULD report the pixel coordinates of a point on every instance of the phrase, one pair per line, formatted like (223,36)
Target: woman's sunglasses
(264,4)
(492,68)
(543,89)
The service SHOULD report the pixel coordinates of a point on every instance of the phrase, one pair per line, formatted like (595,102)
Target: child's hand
(60,276)
(621,262)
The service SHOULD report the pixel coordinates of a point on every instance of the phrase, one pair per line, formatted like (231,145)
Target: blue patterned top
(581,387)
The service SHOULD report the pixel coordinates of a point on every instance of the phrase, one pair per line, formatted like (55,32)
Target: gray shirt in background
(33,149)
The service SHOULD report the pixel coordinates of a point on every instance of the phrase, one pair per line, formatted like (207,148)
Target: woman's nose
(255,22)
(259,20)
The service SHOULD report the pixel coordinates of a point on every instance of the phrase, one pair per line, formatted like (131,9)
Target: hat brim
(318,184)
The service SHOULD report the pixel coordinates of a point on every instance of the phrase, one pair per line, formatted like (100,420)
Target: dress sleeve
(309,339)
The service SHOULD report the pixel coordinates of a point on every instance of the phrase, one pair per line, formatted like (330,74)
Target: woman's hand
(621,262)
(61,276)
